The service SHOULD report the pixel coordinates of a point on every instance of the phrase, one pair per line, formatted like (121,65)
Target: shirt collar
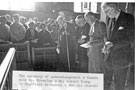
(93,23)
(117,16)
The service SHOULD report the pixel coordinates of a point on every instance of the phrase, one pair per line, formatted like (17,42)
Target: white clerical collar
(93,23)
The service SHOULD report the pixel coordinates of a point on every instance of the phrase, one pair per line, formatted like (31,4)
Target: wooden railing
(22,54)
(6,68)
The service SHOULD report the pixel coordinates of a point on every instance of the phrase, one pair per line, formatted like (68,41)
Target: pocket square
(120,28)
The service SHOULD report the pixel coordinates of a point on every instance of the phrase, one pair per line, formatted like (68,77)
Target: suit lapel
(109,27)
(115,28)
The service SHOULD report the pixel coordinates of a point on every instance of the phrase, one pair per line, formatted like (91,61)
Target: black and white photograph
(67,45)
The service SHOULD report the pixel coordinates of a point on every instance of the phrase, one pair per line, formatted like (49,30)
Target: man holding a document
(97,35)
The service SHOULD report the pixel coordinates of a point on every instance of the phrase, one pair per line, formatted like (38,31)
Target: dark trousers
(66,62)
(83,59)
(115,73)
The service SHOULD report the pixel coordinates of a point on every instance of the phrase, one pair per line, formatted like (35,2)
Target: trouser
(83,59)
(116,74)
(67,58)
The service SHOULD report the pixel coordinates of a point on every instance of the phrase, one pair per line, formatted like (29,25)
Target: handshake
(106,48)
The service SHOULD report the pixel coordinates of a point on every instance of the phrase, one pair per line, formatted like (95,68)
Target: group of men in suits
(115,37)
(111,41)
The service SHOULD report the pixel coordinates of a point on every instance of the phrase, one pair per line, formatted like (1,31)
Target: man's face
(16,18)
(42,26)
(54,28)
(109,11)
(3,20)
(61,21)
(80,22)
(8,17)
(89,19)
(31,25)
(22,20)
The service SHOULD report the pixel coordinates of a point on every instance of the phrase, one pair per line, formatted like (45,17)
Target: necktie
(113,23)
(112,27)
(91,30)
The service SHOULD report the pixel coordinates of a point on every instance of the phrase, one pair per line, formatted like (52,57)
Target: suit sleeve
(130,31)
(128,34)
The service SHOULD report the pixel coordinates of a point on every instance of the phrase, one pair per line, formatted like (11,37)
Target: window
(19,5)
(77,7)
(93,7)
(85,7)
(4,5)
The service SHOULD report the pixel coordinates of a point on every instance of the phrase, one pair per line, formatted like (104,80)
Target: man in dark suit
(120,35)
(82,36)
(67,45)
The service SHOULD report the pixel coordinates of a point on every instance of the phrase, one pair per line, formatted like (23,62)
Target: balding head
(79,20)
(61,20)
(110,9)
(109,4)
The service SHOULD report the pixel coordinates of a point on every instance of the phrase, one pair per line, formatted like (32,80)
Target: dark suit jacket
(83,31)
(121,37)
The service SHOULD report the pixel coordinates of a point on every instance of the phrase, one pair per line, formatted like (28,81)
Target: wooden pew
(3,50)
(44,58)
(22,56)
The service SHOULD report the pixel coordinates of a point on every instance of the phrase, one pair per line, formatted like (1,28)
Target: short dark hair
(31,23)
(111,4)
(3,18)
(90,14)
(79,17)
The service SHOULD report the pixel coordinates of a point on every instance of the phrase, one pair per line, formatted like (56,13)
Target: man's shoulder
(99,22)
(86,26)
(7,27)
(126,15)
(20,24)
(16,24)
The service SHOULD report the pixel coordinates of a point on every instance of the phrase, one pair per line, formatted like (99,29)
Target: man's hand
(26,42)
(83,37)
(106,48)
(81,41)
(34,41)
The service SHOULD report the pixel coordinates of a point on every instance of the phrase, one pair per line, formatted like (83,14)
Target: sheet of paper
(85,45)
